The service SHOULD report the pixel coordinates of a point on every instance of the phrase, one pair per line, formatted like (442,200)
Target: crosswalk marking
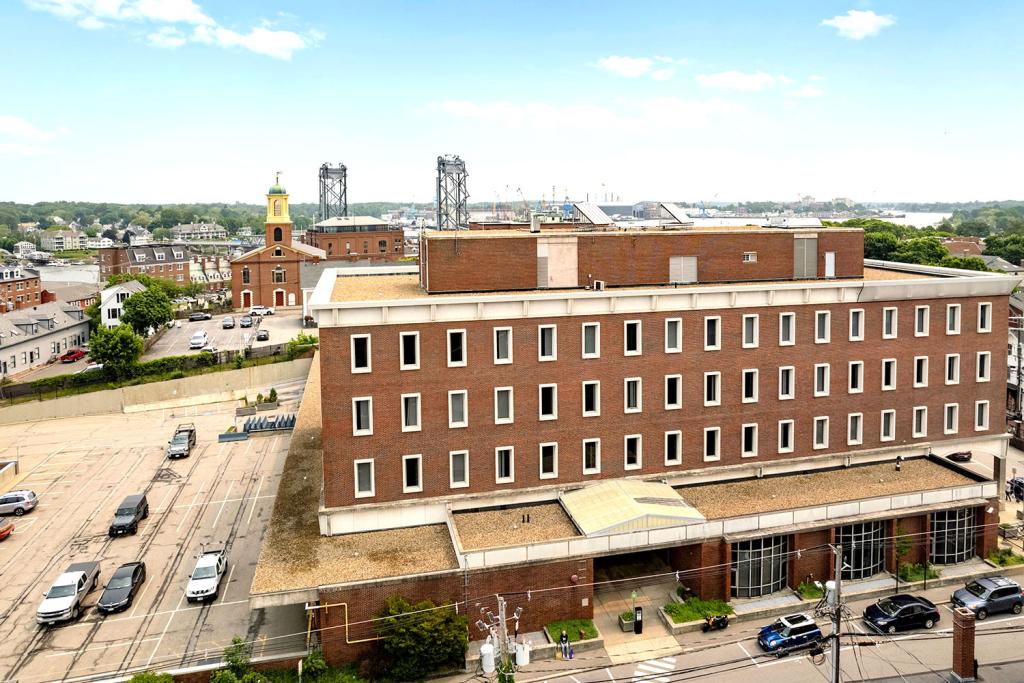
(654,670)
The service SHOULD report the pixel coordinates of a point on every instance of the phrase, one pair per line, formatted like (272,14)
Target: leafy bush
(627,615)
(259,398)
(272,396)
(572,628)
(1005,557)
(419,644)
(696,609)
(236,656)
(151,677)
(809,591)
(239,361)
(916,572)
(314,665)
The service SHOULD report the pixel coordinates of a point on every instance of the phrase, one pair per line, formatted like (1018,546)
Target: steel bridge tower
(452,212)
(333,191)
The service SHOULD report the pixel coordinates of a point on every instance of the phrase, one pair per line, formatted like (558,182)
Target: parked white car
(205,581)
(63,601)
(199,340)
(261,310)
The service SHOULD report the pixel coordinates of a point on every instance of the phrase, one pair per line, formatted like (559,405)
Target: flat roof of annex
(588,230)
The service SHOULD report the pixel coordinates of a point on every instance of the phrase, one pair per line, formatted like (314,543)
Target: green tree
(924,250)
(92,312)
(880,245)
(151,677)
(142,218)
(973,227)
(162,233)
(419,639)
(148,309)
(963,263)
(236,656)
(118,348)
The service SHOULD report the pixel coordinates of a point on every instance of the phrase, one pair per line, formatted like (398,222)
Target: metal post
(836,605)
(502,630)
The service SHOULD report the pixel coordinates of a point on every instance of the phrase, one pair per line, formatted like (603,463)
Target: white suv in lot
(18,503)
(261,310)
(198,340)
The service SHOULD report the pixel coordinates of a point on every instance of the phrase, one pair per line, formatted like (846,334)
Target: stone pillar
(963,644)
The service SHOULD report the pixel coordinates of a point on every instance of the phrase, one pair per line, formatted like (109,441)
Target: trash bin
(487,658)
(638,620)
(522,654)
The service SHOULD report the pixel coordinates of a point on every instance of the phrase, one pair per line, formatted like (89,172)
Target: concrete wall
(8,472)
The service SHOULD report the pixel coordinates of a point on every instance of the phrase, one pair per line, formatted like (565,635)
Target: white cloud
(628,67)
(277,44)
(858,24)
(20,129)
(662,74)
(166,37)
(681,61)
(815,77)
(738,80)
(91,23)
(806,91)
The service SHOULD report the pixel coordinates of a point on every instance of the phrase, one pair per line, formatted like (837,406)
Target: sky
(159,101)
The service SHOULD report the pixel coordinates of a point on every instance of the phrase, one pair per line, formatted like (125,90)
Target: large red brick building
(19,288)
(723,403)
(167,262)
(357,238)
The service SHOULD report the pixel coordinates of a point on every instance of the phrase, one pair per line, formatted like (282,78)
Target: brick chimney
(963,644)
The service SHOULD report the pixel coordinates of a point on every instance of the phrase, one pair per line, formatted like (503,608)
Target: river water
(89,274)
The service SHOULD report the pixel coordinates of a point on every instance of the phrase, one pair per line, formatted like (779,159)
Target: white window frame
(540,343)
(597,398)
(828,380)
(927,315)
(892,386)
(451,470)
(717,400)
(923,382)
(405,487)
(511,406)
(754,343)
(985,305)
(858,334)
(819,445)
(540,460)
(828,327)
(419,412)
(465,409)
(678,460)
(858,438)
(882,436)
(954,329)
(355,481)
(494,339)
(791,317)
(886,310)
(784,448)
(718,444)
(639,452)
(465,348)
(718,332)
(511,465)
(743,385)
(639,395)
(583,457)
(639,338)
(679,392)
(946,429)
(401,345)
(859,389)
(583,340)
(791,371)
(978,425)
(978,376)
(743,433)
(369,353)
(355,413)
(955,357)
(678,322)
(923,411)
(540,402)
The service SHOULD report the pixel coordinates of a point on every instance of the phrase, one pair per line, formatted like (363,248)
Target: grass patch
(696,609)
(1005,557)
(809,591)
(915,572)
(572,628)
(76,253)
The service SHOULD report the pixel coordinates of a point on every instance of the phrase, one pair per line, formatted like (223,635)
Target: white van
(199,340)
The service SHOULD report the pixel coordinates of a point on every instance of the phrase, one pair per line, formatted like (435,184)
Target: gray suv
(990,595)
(18,503)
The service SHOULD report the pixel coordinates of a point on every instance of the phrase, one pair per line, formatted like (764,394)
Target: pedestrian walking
(563,644)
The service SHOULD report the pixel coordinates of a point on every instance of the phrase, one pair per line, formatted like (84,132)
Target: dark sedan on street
(901,612)
(121,589)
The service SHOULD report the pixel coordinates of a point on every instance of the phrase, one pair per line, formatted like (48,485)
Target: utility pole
(836,604)
(497,626)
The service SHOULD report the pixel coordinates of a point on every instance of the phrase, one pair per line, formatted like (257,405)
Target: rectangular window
(591,399)
(591,340)
(856,377)
(951,418)
(633,450)
(410,350)
(984,317)
(673,335)
(547,342)
(983,366)
(920,421)
(712,389)
(888,323)
(856,324)
(854,429)
(458,409)
(785,436)
(750,386)
(712,340)
(364,478)
(591,456)
(502,345)
(952,318)
(456,348)
(548,401)
(673,448)
(633,398)
(980,416)
(821,379)
(712,443)
(787,329)
(750,257)
(412,473)
(820,432)
(787,387)
(822,327)
(504,465)
(631,338)
(920,371)
(362,416)
(360,344)
(888,374)
(952,368)
(410,412)
(921,320)
(458,469)
(503,410)
(548,460)
(748,441)
(750,331)
(888,426)
(673,392)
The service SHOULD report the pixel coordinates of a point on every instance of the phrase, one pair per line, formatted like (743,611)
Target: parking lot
(81,468)
(282,326)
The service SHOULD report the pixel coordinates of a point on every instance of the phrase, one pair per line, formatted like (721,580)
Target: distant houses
(112,301)
(33,336)
(199,231)
(62,240)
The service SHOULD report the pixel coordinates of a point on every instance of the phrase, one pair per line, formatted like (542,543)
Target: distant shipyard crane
(452,196)
(333,191)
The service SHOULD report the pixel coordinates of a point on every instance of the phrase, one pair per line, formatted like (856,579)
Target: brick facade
(359,246)
(255,277)
(18,293)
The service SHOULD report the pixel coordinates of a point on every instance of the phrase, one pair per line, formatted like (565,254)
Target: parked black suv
(130,512)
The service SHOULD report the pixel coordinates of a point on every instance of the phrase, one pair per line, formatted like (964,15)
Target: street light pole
(836,604)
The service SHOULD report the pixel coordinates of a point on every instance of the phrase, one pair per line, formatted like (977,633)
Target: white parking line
(225,502)
(125,643)
(218,502)
(755,662)
(160,507)
(610,676)
(138,599)
(227,584)
(164,632)
(186,515)
(254,499)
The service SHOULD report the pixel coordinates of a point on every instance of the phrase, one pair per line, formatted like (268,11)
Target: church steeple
(278,224)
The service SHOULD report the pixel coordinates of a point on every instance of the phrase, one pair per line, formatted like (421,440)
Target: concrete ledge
(232,436)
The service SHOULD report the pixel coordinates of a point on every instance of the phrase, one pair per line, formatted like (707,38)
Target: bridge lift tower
(452,196)
(333,191)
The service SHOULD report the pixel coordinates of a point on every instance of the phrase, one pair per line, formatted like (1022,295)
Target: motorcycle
(714,622)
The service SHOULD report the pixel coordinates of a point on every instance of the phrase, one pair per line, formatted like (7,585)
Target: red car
(72,355)
(5,529)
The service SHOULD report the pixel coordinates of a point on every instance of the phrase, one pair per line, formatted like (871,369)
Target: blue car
(789,633)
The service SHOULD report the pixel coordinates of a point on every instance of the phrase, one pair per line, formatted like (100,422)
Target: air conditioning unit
(598,285)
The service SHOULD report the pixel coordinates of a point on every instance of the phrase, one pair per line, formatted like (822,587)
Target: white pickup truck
(204,584)
(63,602)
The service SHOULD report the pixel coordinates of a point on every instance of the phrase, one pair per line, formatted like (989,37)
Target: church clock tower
(278,224)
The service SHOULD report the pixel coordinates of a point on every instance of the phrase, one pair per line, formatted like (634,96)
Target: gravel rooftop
(295,556)
(497,528)
(735,499)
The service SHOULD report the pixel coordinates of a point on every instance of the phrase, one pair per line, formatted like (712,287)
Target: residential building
(33,336)
(269,275)
(1000,264)
(112,301)
(541,410)
(99,243)
(964,246)
(19,287)
(212,272)
(168,262)
(198,231)
(357,238)
(74,294)
(62,240)
(138,236)
(23,249)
